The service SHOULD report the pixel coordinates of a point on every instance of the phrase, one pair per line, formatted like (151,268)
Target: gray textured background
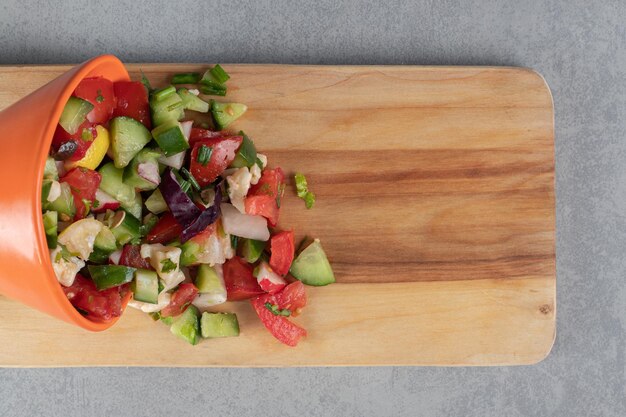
(580,48)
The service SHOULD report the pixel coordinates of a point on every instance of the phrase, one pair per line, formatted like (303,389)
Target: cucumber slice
(246,156)
(64,204)
(156,203)
(189,253)
(145,287)
(215,325)
(50,221)
(208,281)
(226,113)
(125,227)
(135,207)
(109,276)
(192,102)
(128,137)
(251,249)
(170,137)
(104,245)
(143,171)
(112,183)
(186,326)
(74,114)
(166,105)
(50,170)
(311,266)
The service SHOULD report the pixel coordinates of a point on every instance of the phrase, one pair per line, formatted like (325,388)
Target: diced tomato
(131,256)
(280,327)
(240,283)
(282,248)
(224,151)
(82,142)
(84,183)
(84,295)
(292,298)
(166,230)
(202,237)
(99,92)
(200,134)
(263,205)
(269,183)
(132,101)
(181,299)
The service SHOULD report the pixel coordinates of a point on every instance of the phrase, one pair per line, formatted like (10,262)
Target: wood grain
(435,204)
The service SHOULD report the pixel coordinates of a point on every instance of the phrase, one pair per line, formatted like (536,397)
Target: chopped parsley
(99,97)
(204,155)
(167,265)
(276,311)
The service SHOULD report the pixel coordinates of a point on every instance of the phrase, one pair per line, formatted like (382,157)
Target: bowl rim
(86,69)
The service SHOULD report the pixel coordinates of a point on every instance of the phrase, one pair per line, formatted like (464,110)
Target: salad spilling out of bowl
(143,202)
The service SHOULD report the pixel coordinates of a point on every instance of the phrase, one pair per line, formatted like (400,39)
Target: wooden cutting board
(435,204)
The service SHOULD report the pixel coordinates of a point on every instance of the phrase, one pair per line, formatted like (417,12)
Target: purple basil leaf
(182,207)
(207,217)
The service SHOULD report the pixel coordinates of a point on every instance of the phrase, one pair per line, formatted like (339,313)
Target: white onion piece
(105,202)
(114,257)
(149,171)
(55,191)
(175,161)
(243,225)
(186,127)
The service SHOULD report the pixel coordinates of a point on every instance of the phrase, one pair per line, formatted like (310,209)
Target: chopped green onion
(99,97)
(212,88)
(259,163)
(219,74)
(204,155)
(186,78)
(146,82)
(184,185)
(276,311)
(163,93)
(190,178)
(302,188)
(168,265)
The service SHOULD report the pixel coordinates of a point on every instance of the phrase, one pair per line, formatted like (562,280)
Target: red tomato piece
(131,256)
(84,295)
(166,230)
(224,152)
(263,205)
(282,249)
(84,183)
(292,298)
(181,299)
(99,92)
(269,183)
(82,142)
(281,328)
(240,283)
(200,134)
(132,101)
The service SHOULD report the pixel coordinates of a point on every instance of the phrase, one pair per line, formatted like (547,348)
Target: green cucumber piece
(192,102)
(311,266)
(74,114)
(50,221)
(131,172)
(104,245)
(170,137)
(113,184)
(50,170)
(251,249)
(166,105)
(64,204)
(128,137)
(156,203)
(207,280)
(246,156)
(125,227)
(190,251)
(226,113)
(109,276)
(145,287)
(149,221)
(135,207)
(45,192)
(213,325)
(186,325)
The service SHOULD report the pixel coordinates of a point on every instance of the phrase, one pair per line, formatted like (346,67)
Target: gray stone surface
(579,46)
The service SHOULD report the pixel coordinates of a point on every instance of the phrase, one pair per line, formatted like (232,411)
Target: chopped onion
(114,257)
(175,161)
(55,191)
(149,171)
(243,225)
(186,128)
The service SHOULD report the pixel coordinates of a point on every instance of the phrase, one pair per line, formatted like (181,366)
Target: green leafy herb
(302,188)
(99,97)
(190,178)
(234,240)
(95,204)
(204,155)
(167,265)
(276,311)
(259,163)
(161,288)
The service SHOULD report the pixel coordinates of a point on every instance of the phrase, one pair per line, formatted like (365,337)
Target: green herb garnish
(276,311)
(190,178)
(99,97)
(167,265)
(302,188)
(204,155)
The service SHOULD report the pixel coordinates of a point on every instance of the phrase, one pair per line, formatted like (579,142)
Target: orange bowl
(26,130)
